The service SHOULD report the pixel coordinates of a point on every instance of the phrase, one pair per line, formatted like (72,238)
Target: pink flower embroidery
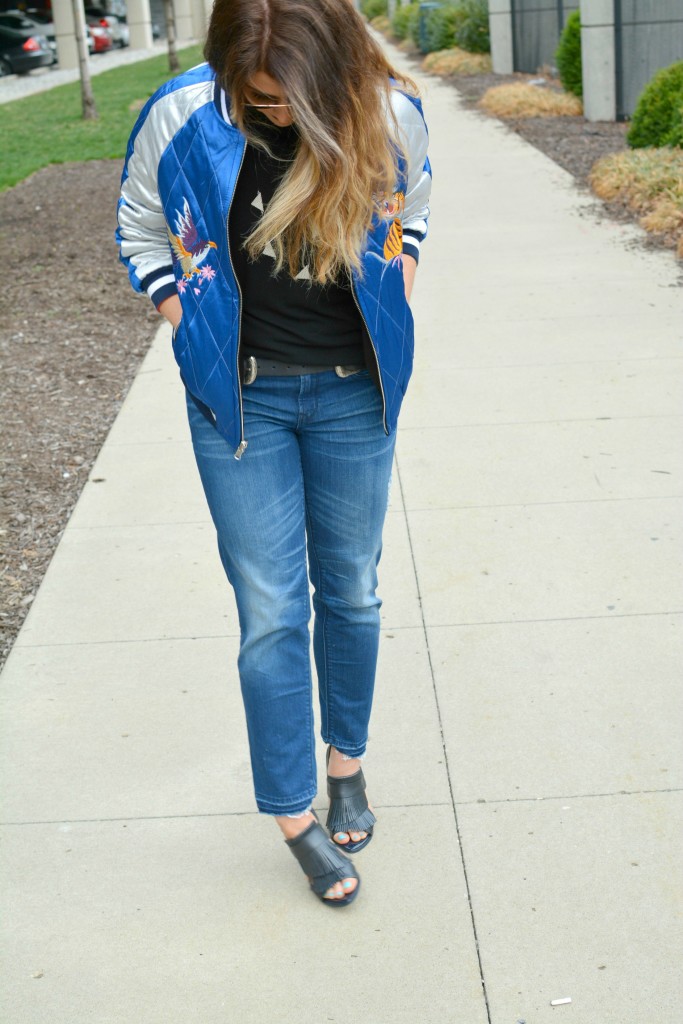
(198,291)
(207,273)
(182,285)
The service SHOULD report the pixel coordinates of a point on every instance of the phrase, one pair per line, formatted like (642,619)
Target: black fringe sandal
(323,862)
(349,811)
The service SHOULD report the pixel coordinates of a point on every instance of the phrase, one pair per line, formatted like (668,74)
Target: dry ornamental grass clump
(457,62)
(522,100)
(649,182)
(381,23)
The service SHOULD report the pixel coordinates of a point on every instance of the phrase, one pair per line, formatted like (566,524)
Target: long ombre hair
(336,79)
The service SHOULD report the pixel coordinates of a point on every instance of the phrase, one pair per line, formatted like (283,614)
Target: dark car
(23,45)
(43,17)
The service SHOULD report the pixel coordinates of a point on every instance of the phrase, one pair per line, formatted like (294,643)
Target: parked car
(101,39)
(116,24)
(23,45)
(43,17)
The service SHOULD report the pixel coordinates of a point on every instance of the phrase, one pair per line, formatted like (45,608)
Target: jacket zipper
(241,447)
(374,352)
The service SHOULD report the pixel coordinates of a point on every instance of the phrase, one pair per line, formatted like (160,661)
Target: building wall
(648,36)
(624,43)
(536,28)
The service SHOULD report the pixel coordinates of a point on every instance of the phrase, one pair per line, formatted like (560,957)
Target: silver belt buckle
(250,371)
(344,371)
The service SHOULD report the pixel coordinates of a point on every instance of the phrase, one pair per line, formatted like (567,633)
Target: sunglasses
(265,105)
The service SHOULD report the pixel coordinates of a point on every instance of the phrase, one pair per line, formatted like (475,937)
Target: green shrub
(464,24)
(568,55)
(676,134)
(472,29)
(373,8)
(440,26)
(405,21)
(658,117)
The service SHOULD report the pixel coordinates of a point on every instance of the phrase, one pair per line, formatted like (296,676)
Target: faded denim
(314,482)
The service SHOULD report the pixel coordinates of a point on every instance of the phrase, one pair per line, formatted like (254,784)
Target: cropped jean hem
(345,748)
(282,807)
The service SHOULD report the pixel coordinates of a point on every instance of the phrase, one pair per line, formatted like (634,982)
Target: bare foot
(292,827)
(339,768)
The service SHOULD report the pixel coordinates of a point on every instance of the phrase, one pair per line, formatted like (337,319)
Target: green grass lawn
(48,128)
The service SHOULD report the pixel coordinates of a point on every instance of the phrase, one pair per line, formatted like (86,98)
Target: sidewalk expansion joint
(140,525)
(560,618)
(137,640)
(571,796)
(385,627)
(194,817)
(445,752)
(540,423)
(617,360)
(147,444)
(536,504)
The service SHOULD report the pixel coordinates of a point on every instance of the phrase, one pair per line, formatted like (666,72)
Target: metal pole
(619,60)
(513,27)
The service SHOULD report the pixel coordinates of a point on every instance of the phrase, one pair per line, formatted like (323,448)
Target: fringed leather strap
(320,858)
(349,811)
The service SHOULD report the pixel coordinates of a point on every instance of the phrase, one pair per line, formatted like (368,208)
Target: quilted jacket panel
(181,169)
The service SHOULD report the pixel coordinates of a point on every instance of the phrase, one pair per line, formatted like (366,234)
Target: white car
(115,23)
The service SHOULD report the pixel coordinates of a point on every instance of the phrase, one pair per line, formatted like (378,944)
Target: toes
(343,838)
(341,889)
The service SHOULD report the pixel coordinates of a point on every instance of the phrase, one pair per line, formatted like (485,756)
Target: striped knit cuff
(160,285)
(411,246)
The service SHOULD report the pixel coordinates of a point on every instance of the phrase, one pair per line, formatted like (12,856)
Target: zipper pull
(241,449)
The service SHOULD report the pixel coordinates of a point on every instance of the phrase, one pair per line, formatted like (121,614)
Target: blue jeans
(308,496)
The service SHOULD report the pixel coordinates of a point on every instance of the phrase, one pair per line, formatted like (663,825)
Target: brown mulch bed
(72,336)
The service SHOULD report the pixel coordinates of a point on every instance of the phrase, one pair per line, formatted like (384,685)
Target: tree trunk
(173,62)
(89,108)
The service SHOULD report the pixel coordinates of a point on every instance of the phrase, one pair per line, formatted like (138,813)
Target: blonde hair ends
(337,80)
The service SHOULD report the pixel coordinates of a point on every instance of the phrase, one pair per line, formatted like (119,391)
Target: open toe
(350,821)
(341,889)
(329,871)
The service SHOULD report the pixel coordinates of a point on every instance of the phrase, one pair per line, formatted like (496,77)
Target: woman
(294,340)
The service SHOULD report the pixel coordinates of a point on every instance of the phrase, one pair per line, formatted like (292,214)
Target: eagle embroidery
(189,250)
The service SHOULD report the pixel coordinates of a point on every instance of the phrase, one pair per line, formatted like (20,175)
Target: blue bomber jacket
(182,163)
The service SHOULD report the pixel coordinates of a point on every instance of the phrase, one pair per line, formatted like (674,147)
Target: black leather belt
(253,368)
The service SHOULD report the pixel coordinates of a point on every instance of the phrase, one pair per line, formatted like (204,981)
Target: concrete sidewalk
(524,757)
